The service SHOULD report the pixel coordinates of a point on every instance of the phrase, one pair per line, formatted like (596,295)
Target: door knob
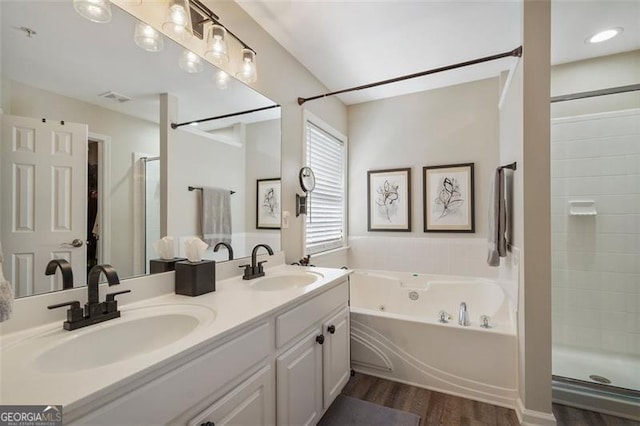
(75,243)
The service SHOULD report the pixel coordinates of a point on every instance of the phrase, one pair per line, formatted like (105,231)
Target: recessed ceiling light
(604,35)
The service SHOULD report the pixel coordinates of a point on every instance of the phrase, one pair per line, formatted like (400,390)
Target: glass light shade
(248,71)
(221,79)
(98,11)
(148,38)
(190,62)
(178,21)
(217,49)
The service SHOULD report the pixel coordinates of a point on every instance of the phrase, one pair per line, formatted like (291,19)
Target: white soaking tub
(396,334)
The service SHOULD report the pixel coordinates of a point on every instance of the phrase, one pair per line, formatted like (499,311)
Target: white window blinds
(325,215)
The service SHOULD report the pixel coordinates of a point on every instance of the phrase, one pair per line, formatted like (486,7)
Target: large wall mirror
(80,154)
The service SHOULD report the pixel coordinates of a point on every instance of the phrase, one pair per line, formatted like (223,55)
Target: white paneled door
(44,189)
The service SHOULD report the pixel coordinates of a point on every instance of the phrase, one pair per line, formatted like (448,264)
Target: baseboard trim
(528,417)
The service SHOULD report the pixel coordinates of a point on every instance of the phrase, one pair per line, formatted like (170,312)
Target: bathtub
(396,334)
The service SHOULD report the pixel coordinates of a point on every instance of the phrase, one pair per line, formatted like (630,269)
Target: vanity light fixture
(604,35)
(178,20)
(221,79)
(148,38)
(217,49)
(190,62)
(248,71)
(98,11)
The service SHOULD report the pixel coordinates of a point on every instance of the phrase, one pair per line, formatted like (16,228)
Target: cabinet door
(251,403)
(336,355)
(299,382)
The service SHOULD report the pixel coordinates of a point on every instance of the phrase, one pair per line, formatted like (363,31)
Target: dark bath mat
(346,410)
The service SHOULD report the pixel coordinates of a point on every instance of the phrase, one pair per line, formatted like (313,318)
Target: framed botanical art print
(268,204)
(389,200)
(448,198)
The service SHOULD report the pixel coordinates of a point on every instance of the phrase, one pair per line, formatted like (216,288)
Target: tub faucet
(463,315)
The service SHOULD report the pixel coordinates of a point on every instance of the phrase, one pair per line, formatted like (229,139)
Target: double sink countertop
(51,366)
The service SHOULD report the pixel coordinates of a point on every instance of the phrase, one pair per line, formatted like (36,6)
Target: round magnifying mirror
(307,179)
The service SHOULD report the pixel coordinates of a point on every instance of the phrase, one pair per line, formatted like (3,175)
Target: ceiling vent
(115,97)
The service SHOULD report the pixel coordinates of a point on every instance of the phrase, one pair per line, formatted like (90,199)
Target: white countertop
(234,305)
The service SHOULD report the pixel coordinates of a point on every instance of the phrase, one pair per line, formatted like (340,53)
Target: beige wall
(128,135)
(456,124)
(535,311)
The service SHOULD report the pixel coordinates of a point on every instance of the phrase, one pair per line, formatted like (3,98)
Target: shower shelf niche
(582,208)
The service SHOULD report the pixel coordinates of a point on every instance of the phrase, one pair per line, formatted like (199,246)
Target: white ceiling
(79,59)
(353,42)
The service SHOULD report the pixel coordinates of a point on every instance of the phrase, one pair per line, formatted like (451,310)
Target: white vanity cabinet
(285,368)
(313,370)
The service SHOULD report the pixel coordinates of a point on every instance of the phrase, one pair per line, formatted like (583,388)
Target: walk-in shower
(595,207)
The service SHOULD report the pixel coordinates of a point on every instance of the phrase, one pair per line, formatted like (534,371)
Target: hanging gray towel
(216,216)
(497,220)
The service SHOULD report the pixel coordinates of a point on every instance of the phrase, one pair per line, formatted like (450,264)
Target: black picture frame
(389,200)
(268,206)
(448,205)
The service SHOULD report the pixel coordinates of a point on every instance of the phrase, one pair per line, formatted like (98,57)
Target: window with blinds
(325,154)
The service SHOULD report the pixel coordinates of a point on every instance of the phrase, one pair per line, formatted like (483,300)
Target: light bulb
(604,35)
(221,79)
(248,71)
(98,11)
(148,38)
(190,62)
(217,45)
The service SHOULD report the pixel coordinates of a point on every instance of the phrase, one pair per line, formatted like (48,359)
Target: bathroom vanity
(274,350)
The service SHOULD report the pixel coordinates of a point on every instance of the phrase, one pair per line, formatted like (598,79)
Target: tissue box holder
(157,266)
(195,278)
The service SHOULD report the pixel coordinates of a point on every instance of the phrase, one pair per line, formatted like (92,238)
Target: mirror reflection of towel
(216,216)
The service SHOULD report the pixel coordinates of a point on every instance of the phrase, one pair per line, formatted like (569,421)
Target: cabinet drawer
(158,401)
(297,320)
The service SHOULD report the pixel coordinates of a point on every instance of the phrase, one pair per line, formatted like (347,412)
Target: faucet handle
(75,312)
(111,302)
(444,317)
(485,321)
(111,297)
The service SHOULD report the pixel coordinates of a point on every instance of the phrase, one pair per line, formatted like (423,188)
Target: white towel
(216,216)
(6,293)
(497,220)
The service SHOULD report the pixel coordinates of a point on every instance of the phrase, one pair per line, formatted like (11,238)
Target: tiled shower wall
(596,259)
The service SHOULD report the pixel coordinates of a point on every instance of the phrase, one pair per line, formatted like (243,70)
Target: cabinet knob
(208,424)
(320,339)
(331,329)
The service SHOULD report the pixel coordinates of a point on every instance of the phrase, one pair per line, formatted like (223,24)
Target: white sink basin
(136,332)
(284,281)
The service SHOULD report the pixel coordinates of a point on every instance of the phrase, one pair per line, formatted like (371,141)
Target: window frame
(309,117)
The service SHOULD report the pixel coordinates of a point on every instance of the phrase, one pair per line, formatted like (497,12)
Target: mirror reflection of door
(44,179)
